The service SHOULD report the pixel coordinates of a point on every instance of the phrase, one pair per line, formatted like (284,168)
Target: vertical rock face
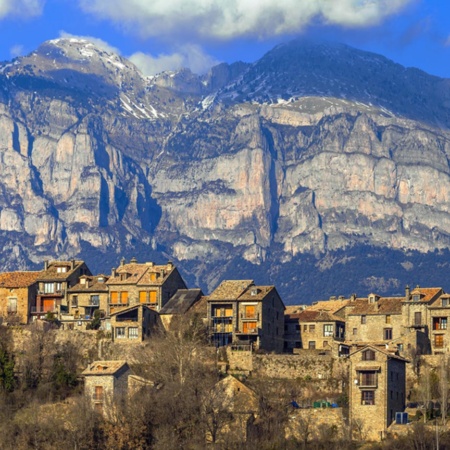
(289,156)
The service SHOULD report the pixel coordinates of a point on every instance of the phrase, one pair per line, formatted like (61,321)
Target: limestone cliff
(310,150)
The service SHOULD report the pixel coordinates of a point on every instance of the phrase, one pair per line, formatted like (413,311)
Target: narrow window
(388,319)
(312,345)
(368,397)
(387,334)
(363,319)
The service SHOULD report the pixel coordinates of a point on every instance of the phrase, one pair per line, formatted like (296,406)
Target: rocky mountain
(319,167)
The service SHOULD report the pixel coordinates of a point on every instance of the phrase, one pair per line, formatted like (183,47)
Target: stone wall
(320,422)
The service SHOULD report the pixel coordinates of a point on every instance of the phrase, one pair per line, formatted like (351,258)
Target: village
(366,366)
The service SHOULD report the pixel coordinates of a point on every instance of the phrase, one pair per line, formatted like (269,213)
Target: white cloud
(227,19)
(100,43)
(21,8)
(16,50)
(191,56)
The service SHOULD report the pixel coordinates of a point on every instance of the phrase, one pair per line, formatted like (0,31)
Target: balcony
(56,293)
(41,310)
(254,316)
(249,331)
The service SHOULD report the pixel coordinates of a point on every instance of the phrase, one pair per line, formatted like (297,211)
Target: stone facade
(53,284)
(377,391)
(133,324)
(106,383)
(147,283)
(17,292)
(241,313)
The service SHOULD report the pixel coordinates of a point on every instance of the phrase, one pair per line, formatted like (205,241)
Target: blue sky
(166,34)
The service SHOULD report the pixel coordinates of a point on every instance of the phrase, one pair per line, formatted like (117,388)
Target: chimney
(353,297)
(407,293)
(133,261)
(113,272)
(46,264)
(169,265)
(72,264)
(122,261)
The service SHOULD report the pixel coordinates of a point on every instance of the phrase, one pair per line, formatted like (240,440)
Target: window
(400,347)
(250,327)
(124,297)
(75,301)
(61,269)
(312,345)
(439,323)
(387,333)
(305,327)
(416,297)
(355,331)
(328,330)
(49,288)
(120,332)
(445,302)
(114,297)
(363,319)
(98,394)
(388,319)
(133,333)
(439,340)
(312,328)
(12,305)
(368,355)
(58,287)
(417,318)
(95,300)
(368,378)
(368,397)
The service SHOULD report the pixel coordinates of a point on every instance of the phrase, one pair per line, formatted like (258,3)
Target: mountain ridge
(251,165)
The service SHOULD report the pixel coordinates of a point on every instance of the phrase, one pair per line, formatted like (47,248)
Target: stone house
(374,319)
(143,283)
(240,312)
(89,295)
(53,284)
(133,324)
(439,312)
(180,303)
(377,388)
(322,330)
(17,294)
(231,409)
(106,383)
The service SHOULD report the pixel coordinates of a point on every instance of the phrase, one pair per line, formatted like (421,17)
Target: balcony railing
(58,292)
(41,310)
(254,316)
(249,331)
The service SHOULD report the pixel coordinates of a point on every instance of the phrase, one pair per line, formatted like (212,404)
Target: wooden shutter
(48,305)
(124,297)
(142,297)
(250,311)
(114,297)
(152,296)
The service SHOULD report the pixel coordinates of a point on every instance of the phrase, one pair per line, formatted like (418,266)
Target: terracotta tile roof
(294,309)
(18,279)
(141,274)
(92,284)
(52,274)
(329,305)
(385,305)
(230,289)
(104,367)
(426,294)
(318,316)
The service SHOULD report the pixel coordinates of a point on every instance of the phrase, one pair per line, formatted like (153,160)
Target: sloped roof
(18,279)
(141,274)
(317,316)
(236,396)
(129,308)
(104,367)
(384,305)
(181,301)
(380,350)
(92,285)
(426,294)
(52,274)
(329,305)
(201,307)
(230,289)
